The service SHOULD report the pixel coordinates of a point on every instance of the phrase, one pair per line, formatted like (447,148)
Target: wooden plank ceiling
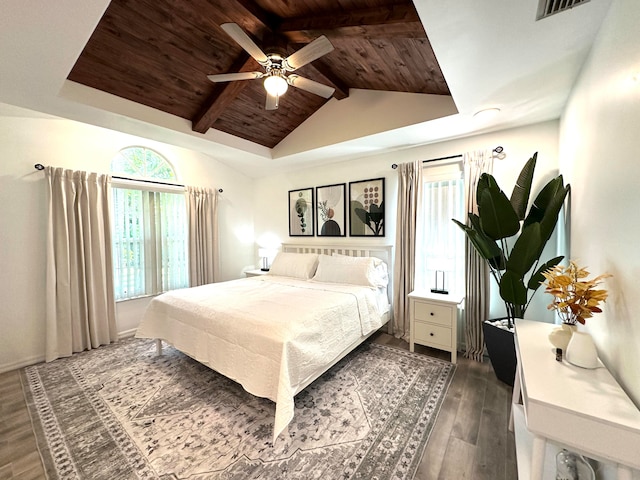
(159,52)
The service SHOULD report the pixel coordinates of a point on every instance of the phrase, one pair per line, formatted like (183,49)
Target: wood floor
(470,439)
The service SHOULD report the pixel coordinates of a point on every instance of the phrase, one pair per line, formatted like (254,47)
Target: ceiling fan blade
(230,77)
(244,40)
(272,102)
(310,86)
(319,47)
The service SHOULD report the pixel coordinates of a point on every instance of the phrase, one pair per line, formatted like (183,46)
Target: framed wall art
(366,208)
(301,209)
(331,211)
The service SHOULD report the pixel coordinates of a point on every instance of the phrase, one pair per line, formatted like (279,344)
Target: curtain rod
(39,166)
(497,150)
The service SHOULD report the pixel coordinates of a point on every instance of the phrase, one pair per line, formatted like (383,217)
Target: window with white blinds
(149,231)
(440,245)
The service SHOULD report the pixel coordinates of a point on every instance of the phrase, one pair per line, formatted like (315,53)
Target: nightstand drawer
(432,313)
(430,334)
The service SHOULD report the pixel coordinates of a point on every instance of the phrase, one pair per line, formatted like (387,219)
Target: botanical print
(366,208)
(330,202)
(301,212)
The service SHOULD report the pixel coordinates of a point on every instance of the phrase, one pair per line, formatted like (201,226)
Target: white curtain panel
(171,242)
(80,306)
(202,211)
(476,270)
(409,200)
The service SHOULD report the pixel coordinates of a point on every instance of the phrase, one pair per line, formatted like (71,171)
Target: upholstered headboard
(383,252)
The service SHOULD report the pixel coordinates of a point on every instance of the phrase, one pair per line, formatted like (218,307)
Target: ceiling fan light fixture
(275,85)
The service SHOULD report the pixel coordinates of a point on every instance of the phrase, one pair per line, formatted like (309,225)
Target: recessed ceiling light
(486,113)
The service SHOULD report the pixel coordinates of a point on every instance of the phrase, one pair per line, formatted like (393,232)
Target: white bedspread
(270,334)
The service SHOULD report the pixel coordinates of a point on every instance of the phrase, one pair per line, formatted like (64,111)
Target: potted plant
(575,298)
(514,265)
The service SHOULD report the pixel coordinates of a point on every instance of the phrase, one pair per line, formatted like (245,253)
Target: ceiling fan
(277,76)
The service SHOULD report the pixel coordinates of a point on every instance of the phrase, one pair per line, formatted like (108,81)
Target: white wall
(271,200)
(246,207)
(27,139)
(599,147)
(599,150)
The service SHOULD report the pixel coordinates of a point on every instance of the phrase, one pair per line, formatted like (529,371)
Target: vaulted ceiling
(158,53)
(493,53)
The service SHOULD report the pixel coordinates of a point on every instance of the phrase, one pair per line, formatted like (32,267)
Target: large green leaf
(525,251)
(522,188)
(537,278)
(546,209)
(512,289)
(497,217)
(497,261)
(485,181)
(544,198)
(550,219)
(487,248)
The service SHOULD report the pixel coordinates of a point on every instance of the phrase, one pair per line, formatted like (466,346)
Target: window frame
(440,172)
(127,181)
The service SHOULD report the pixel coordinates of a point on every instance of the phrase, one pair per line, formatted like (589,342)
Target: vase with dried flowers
(575,298)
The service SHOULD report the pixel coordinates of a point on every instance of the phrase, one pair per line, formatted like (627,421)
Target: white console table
(583,410)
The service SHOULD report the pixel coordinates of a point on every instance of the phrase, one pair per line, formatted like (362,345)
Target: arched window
(142,162)
(149,233)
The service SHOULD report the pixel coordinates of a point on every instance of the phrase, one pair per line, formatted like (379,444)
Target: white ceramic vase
(560,336)
(581,351)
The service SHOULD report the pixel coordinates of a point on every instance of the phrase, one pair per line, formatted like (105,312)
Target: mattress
(271,334)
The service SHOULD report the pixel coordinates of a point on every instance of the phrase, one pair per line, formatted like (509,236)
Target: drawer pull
(431,334)
(432,314)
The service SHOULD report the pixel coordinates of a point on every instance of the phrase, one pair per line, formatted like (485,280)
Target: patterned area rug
(121,412)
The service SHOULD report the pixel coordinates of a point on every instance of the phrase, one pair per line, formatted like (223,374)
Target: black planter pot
(502,352)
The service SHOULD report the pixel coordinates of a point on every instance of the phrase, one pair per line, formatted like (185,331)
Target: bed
(277,333)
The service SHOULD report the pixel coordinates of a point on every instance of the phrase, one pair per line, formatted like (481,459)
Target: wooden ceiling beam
(264,18)
(223,95)
(392,21)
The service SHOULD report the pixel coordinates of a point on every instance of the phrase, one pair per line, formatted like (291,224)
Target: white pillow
(297,265)
(366,271)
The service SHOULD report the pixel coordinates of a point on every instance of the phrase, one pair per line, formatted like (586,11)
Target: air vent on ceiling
(546,8)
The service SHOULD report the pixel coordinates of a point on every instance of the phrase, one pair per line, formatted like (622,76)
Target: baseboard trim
(127,333)
(25,362)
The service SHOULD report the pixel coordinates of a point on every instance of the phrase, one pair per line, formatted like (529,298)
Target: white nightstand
(255,273)
(434,320)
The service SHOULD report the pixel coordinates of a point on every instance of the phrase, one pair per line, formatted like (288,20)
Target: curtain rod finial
(39,166)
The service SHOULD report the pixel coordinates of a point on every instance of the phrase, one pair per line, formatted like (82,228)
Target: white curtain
(477,288)
(80,306)
(171,235)
(409,200)
(202,210)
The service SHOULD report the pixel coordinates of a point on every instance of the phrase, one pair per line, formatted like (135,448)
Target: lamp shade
(263,252)
(275,85)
